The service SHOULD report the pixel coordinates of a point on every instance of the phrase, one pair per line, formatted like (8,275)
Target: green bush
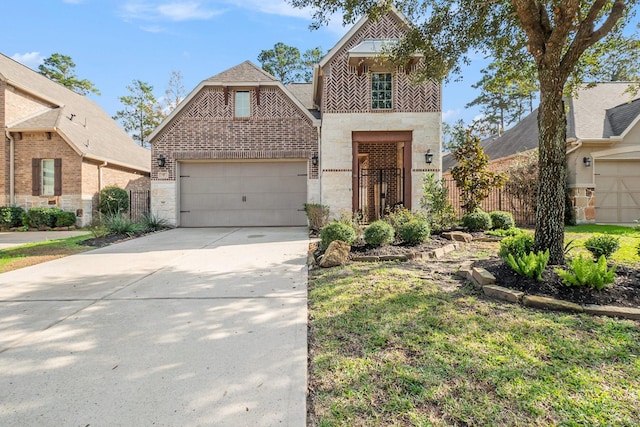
(120,224)
(336,231)
(531,265)
(113,200)
(398,217)
(517,246)
(435,203)
(602,244)
(502,220)
(415,232)
(150,222)
(65,219)
(476,221)
(504,233)
(379,233)
(11,216)
(317,214)
(40,217)
(585,272)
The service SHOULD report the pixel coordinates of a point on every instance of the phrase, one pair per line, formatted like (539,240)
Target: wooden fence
(499,200)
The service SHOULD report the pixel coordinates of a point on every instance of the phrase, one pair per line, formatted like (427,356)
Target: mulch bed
(108,239)
(624,292)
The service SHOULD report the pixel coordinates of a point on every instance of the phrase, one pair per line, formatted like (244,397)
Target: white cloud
(272,7)
(172,11)
(30,59)
(450,114)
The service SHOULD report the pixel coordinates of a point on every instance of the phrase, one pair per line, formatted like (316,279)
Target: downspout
(319,164)
(105,163)
(12,167)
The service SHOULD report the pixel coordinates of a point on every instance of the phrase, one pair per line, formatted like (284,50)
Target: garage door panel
(243,194)
(617,191)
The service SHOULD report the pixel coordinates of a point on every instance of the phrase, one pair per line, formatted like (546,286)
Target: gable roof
(244,74)
(591,111)
(520,138)
(78,120)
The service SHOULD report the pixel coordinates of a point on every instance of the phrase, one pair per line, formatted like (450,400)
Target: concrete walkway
(188,327)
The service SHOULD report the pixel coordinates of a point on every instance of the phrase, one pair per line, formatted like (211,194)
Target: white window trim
(244,110)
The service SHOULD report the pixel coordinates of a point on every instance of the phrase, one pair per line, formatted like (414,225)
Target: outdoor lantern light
(161,161)
(428,157)
(586,161)
(314,160)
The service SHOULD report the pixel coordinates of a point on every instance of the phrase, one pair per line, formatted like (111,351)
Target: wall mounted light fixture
(161,161)
(586,161)
(314,160)
(428,157)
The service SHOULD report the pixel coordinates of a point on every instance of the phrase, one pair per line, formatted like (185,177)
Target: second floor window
(242,104)
(381,91)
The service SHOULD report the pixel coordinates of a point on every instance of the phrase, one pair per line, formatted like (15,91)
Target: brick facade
(4,149)
(207,129)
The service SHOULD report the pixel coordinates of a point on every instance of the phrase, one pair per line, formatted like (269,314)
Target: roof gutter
(12,168)
(115,163)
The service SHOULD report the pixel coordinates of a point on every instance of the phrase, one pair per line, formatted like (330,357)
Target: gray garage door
(617,191)
(243,194)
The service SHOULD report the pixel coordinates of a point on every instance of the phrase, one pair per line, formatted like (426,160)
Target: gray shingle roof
(304,93)
(619,118)
(85,126)
(520,138)
(244,72)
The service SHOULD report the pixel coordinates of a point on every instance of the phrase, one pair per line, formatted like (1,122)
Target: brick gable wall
(206,129)
(344,91)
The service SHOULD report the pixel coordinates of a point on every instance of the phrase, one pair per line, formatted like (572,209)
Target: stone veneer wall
(583,200)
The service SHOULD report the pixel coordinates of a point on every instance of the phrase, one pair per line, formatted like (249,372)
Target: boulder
(336,254)
(458,236)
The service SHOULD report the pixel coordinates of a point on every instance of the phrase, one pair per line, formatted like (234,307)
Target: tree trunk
(552,177)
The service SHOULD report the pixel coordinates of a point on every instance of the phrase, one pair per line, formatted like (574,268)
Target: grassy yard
(391,346)
(629,241)
(36,253)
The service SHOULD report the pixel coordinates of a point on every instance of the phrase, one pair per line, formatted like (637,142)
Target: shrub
(317,214)
(65,219)
(379,233)
(121,224)
(415,232)
(336,231)
(476,221)
(11,216)
(602,244)
(518,245)
(530,265)
(150,222)
(435,202)
(501,220)
(585,272)
(97,227)
(398,217)
(113,200)
(504,233)
(40,217)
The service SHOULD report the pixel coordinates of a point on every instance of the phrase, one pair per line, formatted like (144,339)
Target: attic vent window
(381,91)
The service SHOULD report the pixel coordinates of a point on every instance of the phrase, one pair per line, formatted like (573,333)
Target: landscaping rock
(551,304)
(482,277)
(466,270)
(505,294)
(336,254)
(613,311)
(458,236)
(366,258)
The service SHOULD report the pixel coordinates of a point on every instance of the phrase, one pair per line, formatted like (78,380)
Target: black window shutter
(57,180)
(35,176)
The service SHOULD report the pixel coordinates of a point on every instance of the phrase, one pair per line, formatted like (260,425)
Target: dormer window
(381,91)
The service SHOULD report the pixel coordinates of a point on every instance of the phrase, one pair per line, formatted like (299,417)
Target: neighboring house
(243,149)
(60,148)
(603,152)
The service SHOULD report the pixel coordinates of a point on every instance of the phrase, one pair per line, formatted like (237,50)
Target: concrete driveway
(188,327)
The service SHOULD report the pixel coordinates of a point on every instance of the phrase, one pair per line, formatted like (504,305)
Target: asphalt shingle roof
(246,71)
(84,125)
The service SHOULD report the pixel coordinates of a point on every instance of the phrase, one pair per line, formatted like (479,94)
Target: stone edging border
(434,253)
(484,280)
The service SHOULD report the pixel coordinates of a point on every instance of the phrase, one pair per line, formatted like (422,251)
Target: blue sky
(114,42)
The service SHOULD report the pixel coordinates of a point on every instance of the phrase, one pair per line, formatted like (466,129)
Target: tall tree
(310,58)
(61,69)
(282,62)
(554,33)
(141,114)
(175,92)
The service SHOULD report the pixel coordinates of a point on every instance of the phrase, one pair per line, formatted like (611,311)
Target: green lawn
(36,253)
(629,241)
(391,347)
